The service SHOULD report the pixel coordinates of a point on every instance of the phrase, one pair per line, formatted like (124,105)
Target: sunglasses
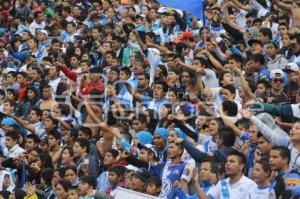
(277,80)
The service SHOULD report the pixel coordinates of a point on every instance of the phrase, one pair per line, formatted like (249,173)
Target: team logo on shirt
(175,172)
(166,188)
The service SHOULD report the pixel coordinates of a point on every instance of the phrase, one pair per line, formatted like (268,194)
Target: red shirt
(22,92)
(91,86)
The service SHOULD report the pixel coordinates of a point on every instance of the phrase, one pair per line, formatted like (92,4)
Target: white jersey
(239,190)
(262,193)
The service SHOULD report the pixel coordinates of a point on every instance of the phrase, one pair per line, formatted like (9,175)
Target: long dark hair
(153,115)
(46,160)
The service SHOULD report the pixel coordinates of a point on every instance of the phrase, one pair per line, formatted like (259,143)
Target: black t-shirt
(279,99)
(292,91)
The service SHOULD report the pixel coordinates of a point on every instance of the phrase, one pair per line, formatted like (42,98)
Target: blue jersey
(264,73)
(169,174)
(182,195)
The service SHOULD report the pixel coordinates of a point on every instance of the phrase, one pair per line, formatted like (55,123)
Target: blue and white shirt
(169,174)
(225,190)
(262,193)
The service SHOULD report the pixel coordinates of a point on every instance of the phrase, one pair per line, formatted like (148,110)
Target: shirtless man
(293,7)
(48,102)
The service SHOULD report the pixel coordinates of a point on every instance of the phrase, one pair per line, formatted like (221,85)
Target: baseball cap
(277,73)
(291,67)
(8,121)
(163,133)
(43,31)
(140,16)
(148,147)
(185,35)
(274,44)
(144,137)
(142,174)
(254,40)
(9,57)
(130,167)
(2,30)
(163,10)
(7,70)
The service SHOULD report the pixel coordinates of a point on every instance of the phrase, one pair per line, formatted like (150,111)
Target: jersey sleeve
(214,193)
(187,172)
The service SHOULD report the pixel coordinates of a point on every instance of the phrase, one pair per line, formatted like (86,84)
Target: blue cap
(162,132)
(180,133)
(188,109)
(8,121)
(144,137)
(21,29)
(2,30)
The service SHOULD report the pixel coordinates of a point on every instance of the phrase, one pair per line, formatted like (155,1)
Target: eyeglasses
(277,80)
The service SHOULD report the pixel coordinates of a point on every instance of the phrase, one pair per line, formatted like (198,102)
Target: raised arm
(189,132)
(239,6)
(137,163)
(197,186)
(244,82)
(108,132)
(226,16)
(67,71)
(286,7)
(132,92)
(162,49)
(201,105)
(216,64)
(230,124)
(274,136)
(190,67)
(141,43)
(25,124)
(196,154)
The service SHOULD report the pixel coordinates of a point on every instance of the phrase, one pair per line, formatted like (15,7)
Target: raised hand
(195,175)
(246,113)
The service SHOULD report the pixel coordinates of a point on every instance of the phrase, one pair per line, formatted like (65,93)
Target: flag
(194,7)
(23,176)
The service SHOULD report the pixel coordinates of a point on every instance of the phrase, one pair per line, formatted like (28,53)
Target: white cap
(131,167)
(167,9)
(291,67)
(43,31)
(277,73)
(7,70)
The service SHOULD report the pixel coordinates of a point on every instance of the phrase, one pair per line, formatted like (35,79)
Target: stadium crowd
(97,95)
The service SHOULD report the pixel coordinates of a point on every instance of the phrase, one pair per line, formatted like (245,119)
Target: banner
(122,193)
(194,7)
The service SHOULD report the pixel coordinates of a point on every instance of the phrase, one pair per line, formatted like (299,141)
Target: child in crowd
(115,178)
(153,186)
